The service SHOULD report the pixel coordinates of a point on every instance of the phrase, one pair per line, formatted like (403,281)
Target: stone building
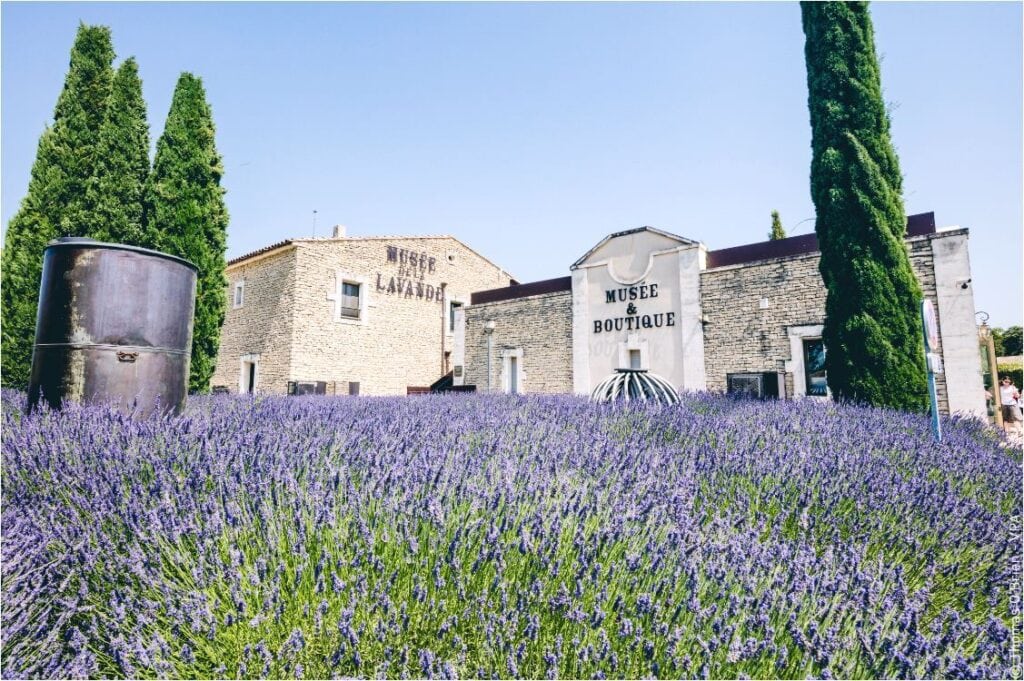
(745,318)
(347,315)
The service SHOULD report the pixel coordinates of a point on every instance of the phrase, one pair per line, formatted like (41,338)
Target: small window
(239,298)
(350,300)
(634,359)
(451,314)
(814,367)
(513,374)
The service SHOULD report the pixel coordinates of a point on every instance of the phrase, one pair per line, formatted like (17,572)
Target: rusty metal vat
(114,325)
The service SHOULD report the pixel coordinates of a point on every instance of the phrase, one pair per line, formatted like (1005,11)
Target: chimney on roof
(339,231)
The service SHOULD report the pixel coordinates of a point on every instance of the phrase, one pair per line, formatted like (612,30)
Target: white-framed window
(349,297)
(350,294)
(238,297)
(453,306)
(512,374)
(249,374)
(634,353)
(814,367)
(807,361)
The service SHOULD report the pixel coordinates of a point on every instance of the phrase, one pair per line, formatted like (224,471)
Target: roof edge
(919,224)
(303,240)
(533,288)
(626,232)
(259,252)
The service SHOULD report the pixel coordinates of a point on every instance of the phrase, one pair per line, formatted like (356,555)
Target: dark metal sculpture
(114,325)
(635,384)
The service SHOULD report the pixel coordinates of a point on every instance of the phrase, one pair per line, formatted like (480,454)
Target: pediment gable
(628,253)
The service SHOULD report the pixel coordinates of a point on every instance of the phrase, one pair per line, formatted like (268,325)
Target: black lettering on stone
(658,319)
(379,286)
(646,321)
(419,289)
(608,325)
(654,290)
(597,326)
(391,286)
(632,292)
(670,319)
(430,292)
(392,253)
(432,262)
(609,296)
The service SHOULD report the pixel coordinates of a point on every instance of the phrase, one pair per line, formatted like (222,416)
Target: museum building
(347,315)
(747,318)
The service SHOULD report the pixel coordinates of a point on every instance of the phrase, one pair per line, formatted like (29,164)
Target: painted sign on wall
(408,281)
(634,319)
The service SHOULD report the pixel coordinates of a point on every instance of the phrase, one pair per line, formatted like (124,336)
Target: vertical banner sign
(934,361)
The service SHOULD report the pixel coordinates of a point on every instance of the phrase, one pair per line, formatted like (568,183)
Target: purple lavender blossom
(462,535)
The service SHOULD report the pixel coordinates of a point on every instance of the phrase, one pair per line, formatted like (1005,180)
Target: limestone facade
(647,299)
(754,310)
(363,314)
(260,328)
(539,327)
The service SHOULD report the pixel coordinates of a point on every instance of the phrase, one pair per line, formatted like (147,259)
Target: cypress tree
(55,203)
(872,328)
(115,193)
(777,231)
(186,204)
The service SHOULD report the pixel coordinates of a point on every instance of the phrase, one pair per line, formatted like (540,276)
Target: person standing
(1010,398)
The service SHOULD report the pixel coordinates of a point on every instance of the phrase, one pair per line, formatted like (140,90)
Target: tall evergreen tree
(55,203)
(872,331)
(777,231)
(187,210)
(115,193)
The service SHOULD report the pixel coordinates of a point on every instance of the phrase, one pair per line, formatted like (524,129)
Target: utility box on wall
(762,385)
(307,387)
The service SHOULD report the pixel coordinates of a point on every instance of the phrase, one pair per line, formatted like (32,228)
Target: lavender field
(494,536)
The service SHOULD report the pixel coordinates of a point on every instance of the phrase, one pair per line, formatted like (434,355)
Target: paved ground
(1014,439)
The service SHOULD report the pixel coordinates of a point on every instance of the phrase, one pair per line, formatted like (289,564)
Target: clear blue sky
(530,131)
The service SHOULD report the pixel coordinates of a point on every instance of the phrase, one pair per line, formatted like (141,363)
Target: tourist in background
(1010,398)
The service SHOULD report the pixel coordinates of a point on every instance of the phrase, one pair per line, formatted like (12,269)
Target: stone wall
(922,259)
(750,308)
(290,319)
(540,325)
(263,325)
(398,341)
